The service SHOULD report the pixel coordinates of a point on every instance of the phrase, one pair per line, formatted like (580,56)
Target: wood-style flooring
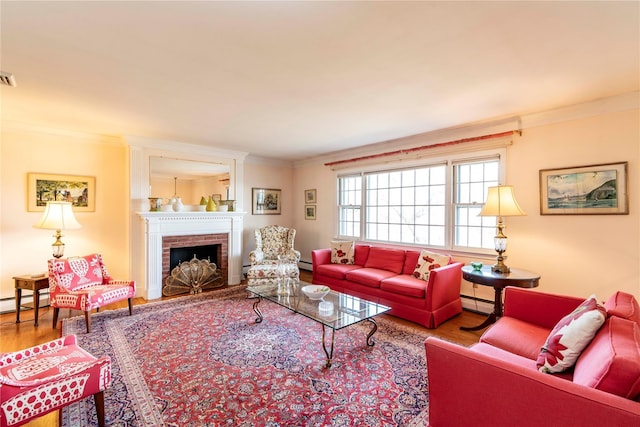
(16,336)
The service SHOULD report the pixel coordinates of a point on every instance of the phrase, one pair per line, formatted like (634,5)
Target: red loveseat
(385,275)
(496,381)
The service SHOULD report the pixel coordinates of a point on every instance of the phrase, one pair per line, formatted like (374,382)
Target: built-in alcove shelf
(156,225)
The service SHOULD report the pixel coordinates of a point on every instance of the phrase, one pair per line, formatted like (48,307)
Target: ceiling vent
(7,79)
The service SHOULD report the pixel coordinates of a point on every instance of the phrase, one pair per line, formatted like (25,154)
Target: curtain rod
(425,147)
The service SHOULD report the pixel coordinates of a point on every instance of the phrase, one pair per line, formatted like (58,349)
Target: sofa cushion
(507,356)
(368,276)
(361,254)
(342,252)
(611,362)
(428,261)
(386,259)
(404,285)
(570,336)
(337,271)
(516,336)
(622,304)
(410,262)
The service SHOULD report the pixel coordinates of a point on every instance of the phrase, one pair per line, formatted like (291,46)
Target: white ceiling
(293,80)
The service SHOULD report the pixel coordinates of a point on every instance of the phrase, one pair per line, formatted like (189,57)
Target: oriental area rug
(203,361)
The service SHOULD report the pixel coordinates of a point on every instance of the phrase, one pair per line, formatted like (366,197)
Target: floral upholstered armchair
(49,376)
(274,252)
(83,283)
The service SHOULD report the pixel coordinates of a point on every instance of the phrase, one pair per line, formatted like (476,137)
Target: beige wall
(266,175)
(576,255)
(24,249)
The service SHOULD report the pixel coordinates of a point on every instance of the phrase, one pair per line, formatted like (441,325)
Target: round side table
(499,281)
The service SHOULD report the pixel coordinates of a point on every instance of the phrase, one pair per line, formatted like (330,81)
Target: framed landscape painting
(266,201)
(584,190)
(43,188)
(310,212)
(310,196)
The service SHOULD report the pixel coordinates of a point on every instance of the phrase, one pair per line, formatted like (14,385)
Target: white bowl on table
(315,292)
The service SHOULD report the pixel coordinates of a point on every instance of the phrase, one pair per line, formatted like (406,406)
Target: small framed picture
(309,211)
(216,197)
(43,188)
(266,201)
(310,196)
(584,190)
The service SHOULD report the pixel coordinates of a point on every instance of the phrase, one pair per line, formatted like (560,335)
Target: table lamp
(501,202)
(58,216)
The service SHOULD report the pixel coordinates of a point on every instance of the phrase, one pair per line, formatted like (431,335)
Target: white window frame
(450,161)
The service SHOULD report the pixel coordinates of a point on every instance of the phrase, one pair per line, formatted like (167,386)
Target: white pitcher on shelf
(177,204)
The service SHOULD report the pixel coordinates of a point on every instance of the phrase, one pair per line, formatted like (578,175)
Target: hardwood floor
(16,336)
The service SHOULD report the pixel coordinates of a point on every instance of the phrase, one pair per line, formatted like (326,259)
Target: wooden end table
(499,281)
(33,283)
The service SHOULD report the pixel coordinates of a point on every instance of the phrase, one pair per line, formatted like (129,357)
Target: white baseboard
(8,305)
(479,306)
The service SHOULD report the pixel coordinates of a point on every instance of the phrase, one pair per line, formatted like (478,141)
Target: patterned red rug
(202,361)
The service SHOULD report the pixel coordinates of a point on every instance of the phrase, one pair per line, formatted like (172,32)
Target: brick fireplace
(219,241)
(187,228)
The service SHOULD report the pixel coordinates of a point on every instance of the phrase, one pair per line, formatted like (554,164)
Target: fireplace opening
(178,255)
(206,247)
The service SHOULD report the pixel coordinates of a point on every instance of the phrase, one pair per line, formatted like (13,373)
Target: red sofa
(385,275)
(496,382)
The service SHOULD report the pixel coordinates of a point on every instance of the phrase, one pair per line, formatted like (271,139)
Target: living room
(594,122)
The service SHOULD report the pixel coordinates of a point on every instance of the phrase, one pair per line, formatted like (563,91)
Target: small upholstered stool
(269,273)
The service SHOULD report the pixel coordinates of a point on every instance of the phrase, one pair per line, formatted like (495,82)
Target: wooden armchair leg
(87,316)
(56,310)
(99,400)
(130,301)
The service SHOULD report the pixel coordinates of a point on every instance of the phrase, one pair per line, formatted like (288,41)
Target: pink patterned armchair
(273,241)
(83,283)
(47,377)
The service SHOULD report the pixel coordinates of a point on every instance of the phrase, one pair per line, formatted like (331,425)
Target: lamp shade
(58,216)
(501,202)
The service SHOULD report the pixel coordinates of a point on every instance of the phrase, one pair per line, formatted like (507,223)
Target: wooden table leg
(18,303)
(493,317)
(36,302)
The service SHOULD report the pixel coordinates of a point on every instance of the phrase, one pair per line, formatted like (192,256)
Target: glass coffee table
(335,311)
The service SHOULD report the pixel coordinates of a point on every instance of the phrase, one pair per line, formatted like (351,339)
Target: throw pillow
(570,336)
(427,261)
(342,252)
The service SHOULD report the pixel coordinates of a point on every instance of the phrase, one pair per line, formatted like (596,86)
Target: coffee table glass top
(338,311)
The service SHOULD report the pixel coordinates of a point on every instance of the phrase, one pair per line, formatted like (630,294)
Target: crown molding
(72,135)
(618,103)
(183,147)
(613,104)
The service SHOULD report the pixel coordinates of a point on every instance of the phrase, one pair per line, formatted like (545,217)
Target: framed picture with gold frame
(309,211)
(266,201)
(310,196)
(584,190)
(77,189)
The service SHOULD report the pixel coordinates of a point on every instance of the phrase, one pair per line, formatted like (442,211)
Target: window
(349,204)
(430,205)
(471,182)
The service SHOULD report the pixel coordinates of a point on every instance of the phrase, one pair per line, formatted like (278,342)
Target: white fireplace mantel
(147,227)
(156,225)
